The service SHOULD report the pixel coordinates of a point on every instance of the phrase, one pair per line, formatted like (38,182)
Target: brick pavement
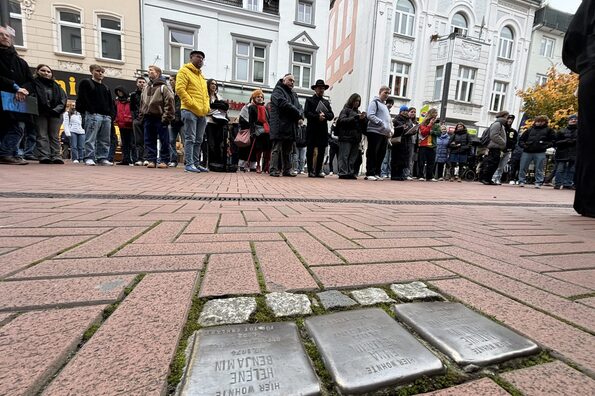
(64,258)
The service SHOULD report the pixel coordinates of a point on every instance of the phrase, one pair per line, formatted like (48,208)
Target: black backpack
(485,138)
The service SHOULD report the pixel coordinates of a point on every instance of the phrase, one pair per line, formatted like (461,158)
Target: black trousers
(280,156)
(490,164)
(315,168)
(138,141)
(427,156)
(584,198)
(375,153)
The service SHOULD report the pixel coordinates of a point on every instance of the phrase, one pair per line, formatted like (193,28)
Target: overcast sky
(569,6)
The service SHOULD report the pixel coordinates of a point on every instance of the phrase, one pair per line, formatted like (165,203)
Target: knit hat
(403,108)
(572,117)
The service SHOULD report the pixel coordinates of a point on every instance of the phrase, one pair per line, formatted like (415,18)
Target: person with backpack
(535,141)
(494,138)
(51,101)
(95,102)
(124,123)
(459,146)
(157,111)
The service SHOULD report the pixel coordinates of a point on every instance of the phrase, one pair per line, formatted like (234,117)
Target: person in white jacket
(73,128)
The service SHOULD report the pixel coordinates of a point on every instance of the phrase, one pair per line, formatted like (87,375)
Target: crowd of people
(278,137)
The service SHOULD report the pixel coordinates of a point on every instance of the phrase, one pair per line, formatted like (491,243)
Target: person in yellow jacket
(191,87)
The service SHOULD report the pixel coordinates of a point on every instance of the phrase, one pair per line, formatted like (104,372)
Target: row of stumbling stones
(364,350)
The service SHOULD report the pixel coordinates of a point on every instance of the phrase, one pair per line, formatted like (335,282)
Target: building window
(498,96)
(399,79)
(110,33)
(305,12)
(547,47)
(16,22)
(250,62)
(541,79)
(505,44)
(404,18)
(253,5)
(301,68)
(181,43)
(438,82)
(70,31)
(459,24)
(465,82)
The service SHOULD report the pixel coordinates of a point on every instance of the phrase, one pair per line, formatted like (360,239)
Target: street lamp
(447,73)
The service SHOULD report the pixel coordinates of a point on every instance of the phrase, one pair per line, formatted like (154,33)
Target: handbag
(395,140)
(242,139)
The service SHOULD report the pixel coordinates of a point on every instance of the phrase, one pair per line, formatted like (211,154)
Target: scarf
(262,117)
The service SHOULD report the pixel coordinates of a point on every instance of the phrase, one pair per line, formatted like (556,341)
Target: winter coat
(51,98)
(537,139)
(427,135)
(285,112)
(442,147)
(73,124)
(497,134)
(379,118)
(135,103)
(191,87)
(123,113)
(460,142)
(14,70)
(157,101)
(349,126)
(578,52)
(512,138)
(95,98)
(317,131)
(565,144)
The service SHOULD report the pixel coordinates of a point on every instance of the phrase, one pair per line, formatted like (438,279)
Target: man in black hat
(318,112)
(16,78)
(512,138)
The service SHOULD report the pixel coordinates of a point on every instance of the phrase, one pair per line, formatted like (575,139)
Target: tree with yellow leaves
(554,99)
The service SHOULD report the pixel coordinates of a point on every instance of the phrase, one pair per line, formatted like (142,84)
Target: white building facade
(248,44)
(404,44)
(549,28)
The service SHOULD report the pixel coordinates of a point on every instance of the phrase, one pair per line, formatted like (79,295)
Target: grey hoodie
(497,134)
(379,117)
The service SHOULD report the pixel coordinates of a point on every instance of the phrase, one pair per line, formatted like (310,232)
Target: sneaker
(512,182)
(172,165)
(151,165)
(370,178)
(421,179)
(441,179)
(138,163)
(330,173)
(409,178)
(521,184)
(8,160)
(90,162)
(434,180)
(162,165)
(274,174)
(145,163)
(202,168)
(191,168)
(75,161)
(379,178)
(538,186)
(105,162)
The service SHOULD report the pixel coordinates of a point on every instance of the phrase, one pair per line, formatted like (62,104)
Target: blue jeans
(155,129)
(77,146)
(538,160)
(194,132)
(97,136)
(174,132)
(385,167)
(564,173)
(300,159)
(11,134)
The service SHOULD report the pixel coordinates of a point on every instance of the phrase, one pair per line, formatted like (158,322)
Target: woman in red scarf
(256,117)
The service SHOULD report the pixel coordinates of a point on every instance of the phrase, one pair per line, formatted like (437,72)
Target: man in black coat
(318,113)
(138,138)
(15,77)
(578,55)
(285,115)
